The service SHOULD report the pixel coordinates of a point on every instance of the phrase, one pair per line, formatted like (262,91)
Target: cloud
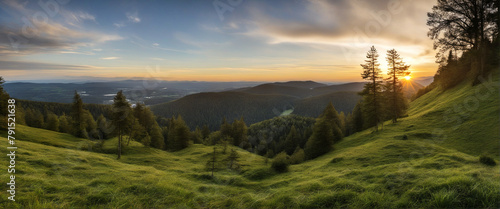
(156,44)
(77,17)
(340,22)
(47,36)
(133,17)
(19,65)
(110,58)
(119,25)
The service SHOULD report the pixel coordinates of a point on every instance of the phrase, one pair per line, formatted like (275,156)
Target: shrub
(297,157)
(487,160)
(280,162)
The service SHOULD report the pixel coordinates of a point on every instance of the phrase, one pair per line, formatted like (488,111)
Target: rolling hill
(426,160)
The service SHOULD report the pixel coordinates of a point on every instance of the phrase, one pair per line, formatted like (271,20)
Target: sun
(407,77)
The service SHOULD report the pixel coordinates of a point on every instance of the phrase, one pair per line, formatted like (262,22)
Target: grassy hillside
(436,166)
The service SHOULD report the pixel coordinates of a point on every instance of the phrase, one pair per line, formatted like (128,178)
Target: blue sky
(221,40)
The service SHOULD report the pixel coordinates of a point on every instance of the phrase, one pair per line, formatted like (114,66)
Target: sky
(210,40)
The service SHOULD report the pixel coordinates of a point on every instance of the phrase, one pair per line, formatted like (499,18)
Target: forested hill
(210,108)
(265,101)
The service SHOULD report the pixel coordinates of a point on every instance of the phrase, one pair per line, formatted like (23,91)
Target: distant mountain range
(201,103)
(265,101)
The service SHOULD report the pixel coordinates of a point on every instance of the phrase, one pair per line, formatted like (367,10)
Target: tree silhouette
(463,25)
(397,68)
(372,103)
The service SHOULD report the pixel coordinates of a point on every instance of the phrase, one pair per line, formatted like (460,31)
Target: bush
(280,162)
(487,160)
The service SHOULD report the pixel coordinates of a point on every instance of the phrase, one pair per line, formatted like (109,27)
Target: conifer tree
(52,122)
(64,124)
(396,104)
(121,118)
(326,132)
(77,117)
(232,160)
(4,97)
(291,141)
(213,162)
(372,96)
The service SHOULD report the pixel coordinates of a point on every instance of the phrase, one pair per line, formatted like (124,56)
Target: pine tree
(291,141)
(205,131)
(77,117)
(333,119)
(357,118)
(232,160)
(157,140)
(52,122)
(121,118)
(178,134)
(213,163)
(326,132)
(396,100)
(64,124)
(4,97)
(372,98)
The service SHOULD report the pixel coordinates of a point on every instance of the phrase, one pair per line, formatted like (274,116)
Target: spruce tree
(213,162)
(77,117)
(121,118)
(4,97)
(291,141)
(326,132)
(396,103)
(156,136)
(372,91)
(232,160)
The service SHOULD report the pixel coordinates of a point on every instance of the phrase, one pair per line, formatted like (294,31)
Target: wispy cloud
(110,58)
(133,17)
(20,65)
(119,25)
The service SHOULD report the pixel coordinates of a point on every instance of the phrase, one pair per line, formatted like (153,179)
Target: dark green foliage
(210,108)
(157,140)
(313,106)
(487,160)
(232,160)
(280,163)
(298,156)
(4,97)
(122,118)
(272,134)
(77,116)
(64,124)
(213,164)
(357,118)
(292,141)
(236,131)
(326,133)
(178,135)
(65,108)
(52,122)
